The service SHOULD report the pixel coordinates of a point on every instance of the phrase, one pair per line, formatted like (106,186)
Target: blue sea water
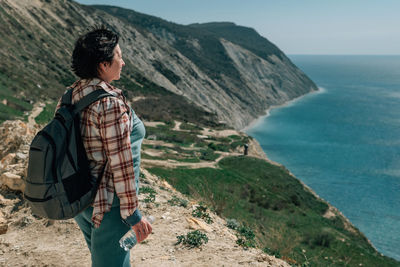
(344,141)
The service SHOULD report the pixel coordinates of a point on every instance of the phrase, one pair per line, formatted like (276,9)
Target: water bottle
(129,240)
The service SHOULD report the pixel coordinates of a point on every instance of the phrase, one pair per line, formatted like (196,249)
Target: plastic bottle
(129,239)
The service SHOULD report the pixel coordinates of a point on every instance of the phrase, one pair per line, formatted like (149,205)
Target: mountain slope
(206,46)
(199,65)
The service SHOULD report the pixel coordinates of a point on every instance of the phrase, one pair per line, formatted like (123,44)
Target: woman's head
(97,55)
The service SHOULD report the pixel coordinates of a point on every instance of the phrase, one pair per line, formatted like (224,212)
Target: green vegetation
(175,137)
(285,218)
(192,239)
(151,194)
(190,127)
(208,155)
(47,114)
(201,212)
(176,201)
(7,113)
(246,237)
(10,106)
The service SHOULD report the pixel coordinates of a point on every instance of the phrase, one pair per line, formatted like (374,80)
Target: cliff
(235,79)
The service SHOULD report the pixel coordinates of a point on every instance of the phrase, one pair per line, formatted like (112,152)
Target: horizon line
(298,54)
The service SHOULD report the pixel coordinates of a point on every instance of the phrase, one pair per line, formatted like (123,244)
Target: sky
(327,27)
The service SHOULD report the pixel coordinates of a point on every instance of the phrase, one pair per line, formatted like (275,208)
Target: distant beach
(258,120)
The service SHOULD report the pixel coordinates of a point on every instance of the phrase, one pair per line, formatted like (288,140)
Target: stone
(3,224)
(12,181)
(21,156)
(8,159)
(196,224)
(3,228)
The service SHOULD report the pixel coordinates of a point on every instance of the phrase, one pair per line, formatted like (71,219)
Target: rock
(12,181)
(21,156)
(3,228)
(167,185)
(3,224)
(198,225)
(7,160)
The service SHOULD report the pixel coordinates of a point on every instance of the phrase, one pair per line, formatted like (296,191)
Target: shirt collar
(95,83)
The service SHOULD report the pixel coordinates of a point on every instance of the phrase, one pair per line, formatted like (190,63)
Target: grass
(7,113)
(284,217)
(175,137)
(47,114)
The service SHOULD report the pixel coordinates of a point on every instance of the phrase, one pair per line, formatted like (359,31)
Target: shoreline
(332,210)
(257,120)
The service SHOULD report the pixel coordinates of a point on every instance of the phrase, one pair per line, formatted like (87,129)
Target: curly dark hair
(91,49)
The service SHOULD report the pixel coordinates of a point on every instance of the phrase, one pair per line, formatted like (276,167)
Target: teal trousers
(103,242)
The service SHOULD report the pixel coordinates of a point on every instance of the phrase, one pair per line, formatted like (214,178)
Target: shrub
(176,201)
(208,155)
(321,239)
(233,224)
(201,212)
(273,252)
(192,239)
(246,237)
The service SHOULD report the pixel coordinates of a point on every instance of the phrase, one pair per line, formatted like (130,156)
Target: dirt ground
(31,241)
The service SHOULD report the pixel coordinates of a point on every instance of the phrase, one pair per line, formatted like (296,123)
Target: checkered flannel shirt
(105,128)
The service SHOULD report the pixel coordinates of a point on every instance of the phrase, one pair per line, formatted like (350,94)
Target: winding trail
(37,109)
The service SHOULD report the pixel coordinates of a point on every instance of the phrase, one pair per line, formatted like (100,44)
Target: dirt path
(37,109)
(177,126)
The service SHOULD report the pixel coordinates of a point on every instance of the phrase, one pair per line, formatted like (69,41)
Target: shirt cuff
(134,218)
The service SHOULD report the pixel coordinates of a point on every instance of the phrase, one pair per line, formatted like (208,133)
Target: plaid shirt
(105,128)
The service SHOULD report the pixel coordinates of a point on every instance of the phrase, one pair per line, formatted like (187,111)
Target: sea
(344,140)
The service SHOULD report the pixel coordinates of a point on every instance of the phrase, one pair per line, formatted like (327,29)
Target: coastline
(332,210)
(257,120)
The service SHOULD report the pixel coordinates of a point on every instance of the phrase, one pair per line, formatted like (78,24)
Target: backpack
(58,184)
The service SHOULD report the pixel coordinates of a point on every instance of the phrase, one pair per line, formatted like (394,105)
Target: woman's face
(112,71)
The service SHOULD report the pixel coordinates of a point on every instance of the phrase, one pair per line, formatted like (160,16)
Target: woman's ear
(102,67)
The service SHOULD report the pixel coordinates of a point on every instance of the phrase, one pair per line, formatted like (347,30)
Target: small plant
(322,239)
(246,237)
(176,201)
(209,155)
(192,239)
(201,212)
(151,197)
(147,190)
(273,252)
(233,224)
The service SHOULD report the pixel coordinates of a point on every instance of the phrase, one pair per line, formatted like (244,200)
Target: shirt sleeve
(115,126)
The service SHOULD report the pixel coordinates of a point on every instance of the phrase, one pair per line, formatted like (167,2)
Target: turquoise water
(344,141)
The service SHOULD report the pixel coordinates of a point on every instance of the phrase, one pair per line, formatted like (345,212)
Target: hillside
(249,208)
(220,77)
(27,240)
(191,85)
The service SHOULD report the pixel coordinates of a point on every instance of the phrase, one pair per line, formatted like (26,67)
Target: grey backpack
(59,184)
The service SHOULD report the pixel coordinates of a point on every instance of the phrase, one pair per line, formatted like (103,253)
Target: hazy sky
(295,26)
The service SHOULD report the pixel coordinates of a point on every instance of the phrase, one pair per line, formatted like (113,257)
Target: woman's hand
(142,229)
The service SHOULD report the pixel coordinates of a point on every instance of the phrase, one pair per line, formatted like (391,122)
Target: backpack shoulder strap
(66,99)
(89,99)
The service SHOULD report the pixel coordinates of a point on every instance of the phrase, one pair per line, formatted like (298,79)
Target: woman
(112,135)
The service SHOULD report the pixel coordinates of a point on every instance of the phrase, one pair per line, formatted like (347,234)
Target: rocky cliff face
(235,80)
